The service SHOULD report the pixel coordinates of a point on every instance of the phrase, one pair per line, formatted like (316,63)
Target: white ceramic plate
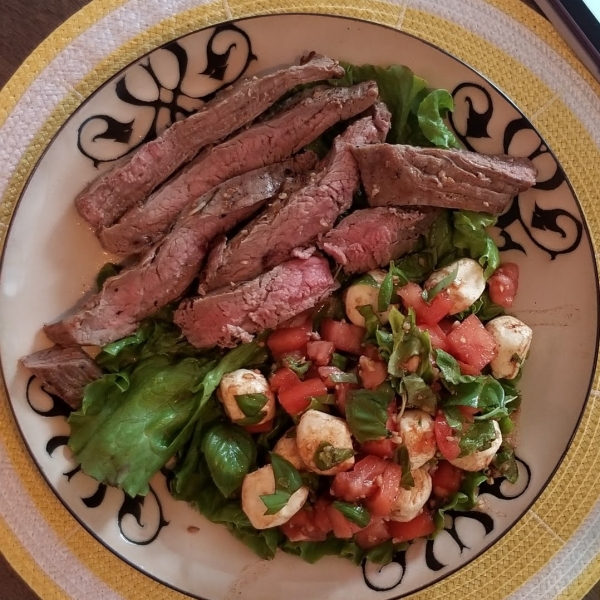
(543,232)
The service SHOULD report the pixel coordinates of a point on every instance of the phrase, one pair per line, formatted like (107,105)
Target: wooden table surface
(23,25)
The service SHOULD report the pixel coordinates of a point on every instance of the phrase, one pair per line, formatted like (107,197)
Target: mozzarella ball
(468,285)
(287,448)
(361,294)
(262,483)
(316,427)
(410,502)
(418,435)
(513,339)
(480,460)
(244,381)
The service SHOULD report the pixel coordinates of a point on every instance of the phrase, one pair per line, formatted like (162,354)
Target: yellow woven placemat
(544,530)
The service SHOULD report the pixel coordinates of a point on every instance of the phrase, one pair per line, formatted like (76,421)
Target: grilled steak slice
(261,145)
(132,179)
(409,176)
(167,270)
(372,237)
(64,372)
(226,316)
(298,220)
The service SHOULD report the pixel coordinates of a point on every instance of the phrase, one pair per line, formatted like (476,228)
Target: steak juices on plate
(371,384)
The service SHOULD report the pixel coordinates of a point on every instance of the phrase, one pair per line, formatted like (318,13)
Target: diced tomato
(371,351)
(309,524)
(260,427)
(312,373)
(471,343)
(447,324)
(324,374)
(466,369)
(385,447)
(436,335)
(342,527)
(342,391)
(283,378)
(431,313)
(290,339)
(503,284)
(447,441)
(345,336)
(360,482)
(320,352)
(297,398)
(382,500)
(375,533)
(446,479)
(372,372)
(421,526)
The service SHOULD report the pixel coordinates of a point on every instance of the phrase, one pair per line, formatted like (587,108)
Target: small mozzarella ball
(480,460)
(316,427)
(244,381)
(468,285)
(513,339)
(418,435)
(287,448)
(410,502)
(361,294)
(262,483)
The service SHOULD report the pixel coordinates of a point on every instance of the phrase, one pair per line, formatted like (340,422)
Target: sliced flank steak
(233,314)
(296,221)
(167,270)
(64,372)
(409,176)
(133,178)
(371,238)
(262,144)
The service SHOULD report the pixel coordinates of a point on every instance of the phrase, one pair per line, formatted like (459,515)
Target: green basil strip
(339,361)
(251,404)
(354,512)
(275,502)
(504,462)
(478,436)
(402,458)
(327,456)
(366,412)
(298,365)
(254,420)
(287,477)
(440,286)
(343,377)
(386,290)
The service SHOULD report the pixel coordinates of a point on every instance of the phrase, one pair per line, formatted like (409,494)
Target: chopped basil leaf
(450,370)
(386,290)
(483,307)
(254,420)
(504,462)
(275,502)
(506,425)
(463,500)
(327,456)
(339,361)
(371,321)
(402,458)
(477,437)
(251,404)
(366,412)
(440,286)
(322,403)
(287,477)
(418,393)
(354,512)
(297,364)
(343,378)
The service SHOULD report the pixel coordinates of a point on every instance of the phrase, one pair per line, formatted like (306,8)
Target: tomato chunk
(289,339)
(503,284)
(342,527)
(345,336)
(295,399)
(309,524)
(421,526)
(446,480)
(260,427)
(385,447)
(382,500)
(360,482)
(372,372)
(325,374)
(342,391)
(375,533)
(466,369)
(430,314)
(436,335)
(320,352)
(445,438)
(283,378)
(471,343)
